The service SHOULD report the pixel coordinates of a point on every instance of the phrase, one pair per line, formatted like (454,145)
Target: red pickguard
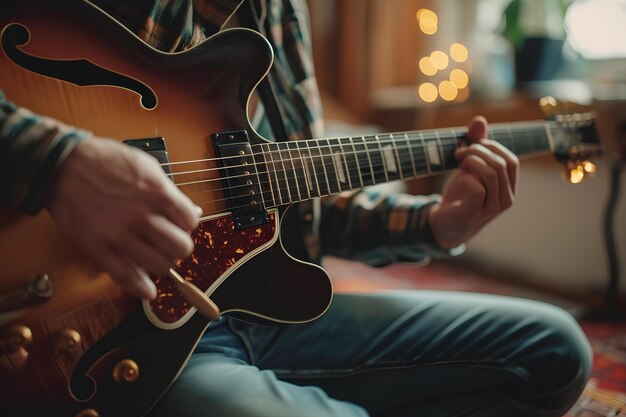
(218,247)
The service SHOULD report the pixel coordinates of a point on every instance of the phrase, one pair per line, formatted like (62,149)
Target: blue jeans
(409,353)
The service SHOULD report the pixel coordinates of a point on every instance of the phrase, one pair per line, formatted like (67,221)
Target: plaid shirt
(369,225)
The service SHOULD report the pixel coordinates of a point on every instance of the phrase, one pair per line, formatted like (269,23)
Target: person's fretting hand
(482,187)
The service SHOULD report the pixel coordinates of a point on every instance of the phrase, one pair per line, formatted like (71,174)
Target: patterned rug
(604,396)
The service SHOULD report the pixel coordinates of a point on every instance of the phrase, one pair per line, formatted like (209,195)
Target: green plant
(516,29)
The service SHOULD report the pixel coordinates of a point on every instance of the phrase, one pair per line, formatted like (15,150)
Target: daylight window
(597,28)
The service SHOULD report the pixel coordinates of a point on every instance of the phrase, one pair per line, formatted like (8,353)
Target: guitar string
(286,190)
(529,130)
(302,161)
(376,148)
(382,140)
(284,184)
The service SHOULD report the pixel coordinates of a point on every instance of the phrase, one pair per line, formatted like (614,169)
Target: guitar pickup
(240,178)
(155,147)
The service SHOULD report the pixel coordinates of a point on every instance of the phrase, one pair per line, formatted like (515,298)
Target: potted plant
(536,30)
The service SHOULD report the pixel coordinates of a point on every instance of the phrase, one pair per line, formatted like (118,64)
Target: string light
(447,90)
(458,52)
(427,67)
(428,92)
(459,78)
(428,21)
(453,86)
(439,60)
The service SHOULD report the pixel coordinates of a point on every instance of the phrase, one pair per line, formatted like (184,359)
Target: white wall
(554,231)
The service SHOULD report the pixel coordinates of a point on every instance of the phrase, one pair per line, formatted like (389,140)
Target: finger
(498,164)
(165,236)
(146,255)
(512,162)
(131,278)
(488,177)
(180,209)
(477,129)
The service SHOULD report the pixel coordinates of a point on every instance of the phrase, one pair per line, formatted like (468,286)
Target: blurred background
(419,64)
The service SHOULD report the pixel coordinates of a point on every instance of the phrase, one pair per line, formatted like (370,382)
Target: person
(409,353)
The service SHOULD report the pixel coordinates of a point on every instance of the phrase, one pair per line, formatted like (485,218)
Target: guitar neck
(296,171)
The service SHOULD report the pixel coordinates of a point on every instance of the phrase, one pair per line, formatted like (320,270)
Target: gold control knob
(65,341)
(15,338)
(126,370)
(88,412)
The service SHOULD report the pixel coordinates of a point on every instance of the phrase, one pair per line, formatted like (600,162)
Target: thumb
(477,129)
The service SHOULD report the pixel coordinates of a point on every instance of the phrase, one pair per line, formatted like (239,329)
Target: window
(597,28)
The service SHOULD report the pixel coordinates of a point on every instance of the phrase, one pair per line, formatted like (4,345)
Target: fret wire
(426,158)
(333,159)
(317,181)
(353,158)
(440,149)
(345,161)
(395,152)
(329,166)
(284,172)
(269,177)
(297,178)
(292,163)
(283,192)
(304,169)
(269,153)
(258,176)
(324,166)
(408,142)
(369,159)
(382,157)
(358,162)
(317,168)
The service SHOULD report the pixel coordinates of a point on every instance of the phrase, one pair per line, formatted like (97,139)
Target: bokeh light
(428,92)
(447,90)
(427,67)
(459,52)
(428,21)
(439,60)
(459,78)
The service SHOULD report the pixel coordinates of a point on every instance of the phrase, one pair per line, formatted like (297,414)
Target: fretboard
(302,170)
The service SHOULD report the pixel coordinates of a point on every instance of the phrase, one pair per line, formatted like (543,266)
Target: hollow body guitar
(91,350)
(70,61)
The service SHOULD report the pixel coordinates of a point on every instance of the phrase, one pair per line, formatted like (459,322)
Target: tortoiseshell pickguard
(218,247)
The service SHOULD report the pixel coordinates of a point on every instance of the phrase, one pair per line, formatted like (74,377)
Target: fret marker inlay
(390,159)
(433,153)
(337,161)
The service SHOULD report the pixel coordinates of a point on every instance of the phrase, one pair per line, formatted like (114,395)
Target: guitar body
(93,348)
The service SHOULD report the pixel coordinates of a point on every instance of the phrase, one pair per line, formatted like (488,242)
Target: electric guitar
(77,345)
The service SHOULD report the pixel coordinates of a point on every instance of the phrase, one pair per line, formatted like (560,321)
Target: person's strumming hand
(116,204)
(482,187)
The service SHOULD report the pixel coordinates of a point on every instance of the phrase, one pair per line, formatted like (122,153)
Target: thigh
(218,381)
(402,349)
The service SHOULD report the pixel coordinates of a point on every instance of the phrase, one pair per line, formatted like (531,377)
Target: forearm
(32,148)
(373,224)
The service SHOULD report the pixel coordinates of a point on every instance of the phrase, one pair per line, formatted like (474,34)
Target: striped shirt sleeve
(379,226)
(32,148)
